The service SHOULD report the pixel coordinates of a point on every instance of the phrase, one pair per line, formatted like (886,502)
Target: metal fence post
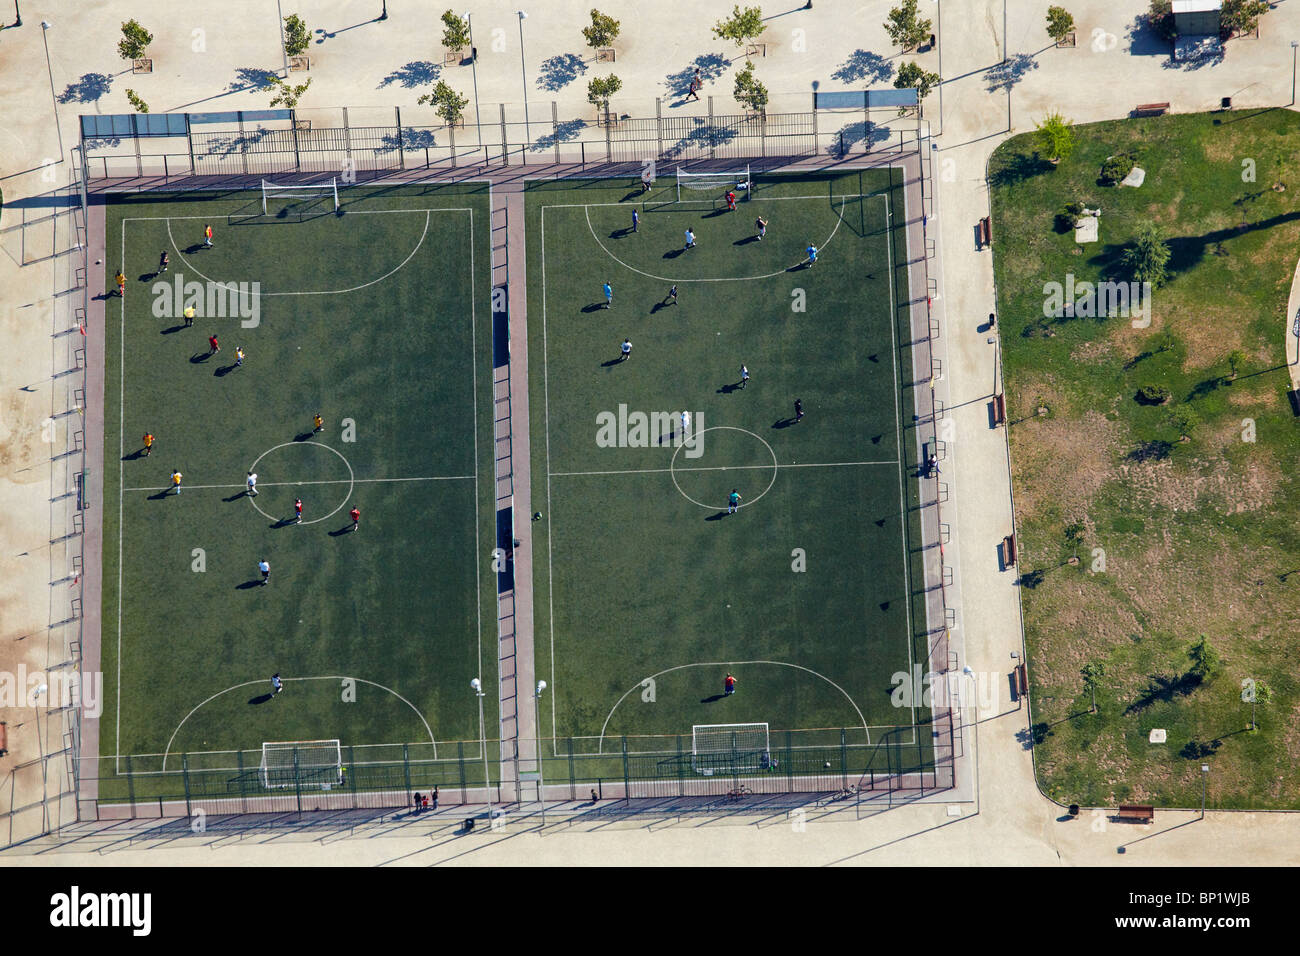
(627,786)
(712,143)
(609,145)
(352,762)
(681,776)
(189,141)
(505,150)
(460,760)
(130,786)
(243,143)
(243,784)
(555,129)
(401,152)
(297,780)
(844,757)
(406,769)
(573,780)
(185,778)
(659,125)
(816,150)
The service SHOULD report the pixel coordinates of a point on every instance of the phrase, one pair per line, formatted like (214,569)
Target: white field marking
(398,268)
(252,499)
(121,482)
(475,465)
(655,471)
(325,481)
(252,683)
(843,197)
(729,428)
(640,683)
(839,218)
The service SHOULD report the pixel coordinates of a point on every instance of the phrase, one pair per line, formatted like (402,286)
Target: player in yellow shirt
(239,357)
(148,444)
(318,423)
(189,316)
(121,284)
(176,480)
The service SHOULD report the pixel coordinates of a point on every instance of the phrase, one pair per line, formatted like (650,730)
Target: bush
(911,75)
(1240,16)
(1055,137)
(1117,167)
(448,104)
(1069,216)
(749,91)
(135,41)
(1152,395)
(296,35)
(1148,256)
(138,104)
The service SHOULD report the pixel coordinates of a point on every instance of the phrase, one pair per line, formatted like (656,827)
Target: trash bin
(1227,102)
(1074,809)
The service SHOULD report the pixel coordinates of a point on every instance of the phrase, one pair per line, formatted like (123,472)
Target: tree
(1055,137)
(600,89)
(911,76)
(905,27)
(741,27)
(1073,535)
(296,35)
(1148,257)
(602,32)
(1257,692)
(1241,16)
(1092,672)
(285,94)
(1060,24)
(1236,359)
(135,41)
(447,103)
(1205,659)
(1184,419)
(138,104)
(1161,19)
(749,91)
(456,35)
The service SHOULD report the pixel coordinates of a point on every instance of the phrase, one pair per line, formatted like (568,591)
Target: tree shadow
(1207,55)
(557,72)
(88,89)
(1017,168)
(564,132)
(1156,450)
(710,65)
(702,137)
(1031,579)
(250,78)
(864,65)
(1201,389)
(1033,735)
(1199,750)
(851,134)
(413,75)
(1164,688)
(259,699)
(1004,76)
(1145,40)
(413,137)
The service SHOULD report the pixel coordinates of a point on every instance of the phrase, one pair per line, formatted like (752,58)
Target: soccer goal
(302,763)
(699,186)
(325,191)
(729,748)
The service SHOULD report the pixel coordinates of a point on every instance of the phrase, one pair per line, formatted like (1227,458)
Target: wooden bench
(1008,550)
(1022,680)
(1135,813)
(999,410)
(1151,109)
(986,232)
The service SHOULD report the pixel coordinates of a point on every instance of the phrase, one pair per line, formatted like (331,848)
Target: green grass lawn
(1191,517)
(377,318)
(647,592)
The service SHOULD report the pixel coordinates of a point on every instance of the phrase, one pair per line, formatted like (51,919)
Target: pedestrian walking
(277,685)
(207,235)
(697,84)
(744,376)
(731,201)
(671,297)
(417,801)
(812,255)
(317,423)
(690,239)
(265,568)
(148,444)
(213,345)
(297,510)
(239,356)
(355,515)
(189,316)
(932,465)
(163,262)
(728,685)
(636,220)
(761,225)
(121,284)
(609,295)
(733,502)
(252,485)
(625,351)
(176,480)
(798,411)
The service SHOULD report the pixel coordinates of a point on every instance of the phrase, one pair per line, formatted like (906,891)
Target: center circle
(350,481)
(674,467)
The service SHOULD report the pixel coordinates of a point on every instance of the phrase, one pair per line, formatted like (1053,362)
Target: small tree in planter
(1148,257)
(139,105)
(741,27)
(905,27)
(447,103)
(749,92)
(296,40)
(910,75)
(1239,17)
(133,46)
(1256,692)
(1060,24)
(455,35)
(286,95)
(1055,137)
(599,91)
(601,34)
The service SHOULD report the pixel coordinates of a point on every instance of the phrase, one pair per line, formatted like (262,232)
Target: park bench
(1008,550)
(999,410)
(1136,813)
(986,231)
(1022,681)
(1151,109)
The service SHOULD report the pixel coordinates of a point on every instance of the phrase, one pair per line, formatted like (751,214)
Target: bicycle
(739,792)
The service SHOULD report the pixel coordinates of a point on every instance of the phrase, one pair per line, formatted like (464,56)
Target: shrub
(911,75)
(1240,16)
(1069,215)
(1117,167)
(1152,395)
(1148,256)
(285,94)
(448,104)
(1055,137)
(135,41)
(139,105)
(1161,19)
(905,27)
(296,35)
(600,89)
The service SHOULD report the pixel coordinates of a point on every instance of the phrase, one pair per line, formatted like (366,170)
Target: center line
(331,481)
(655,471)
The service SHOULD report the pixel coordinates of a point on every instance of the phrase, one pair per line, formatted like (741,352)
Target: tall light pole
(537,728)
(1294,44)
(45,28)
(523,69)
(1205,775)
(18,15)
(384,15)
(473,65)
(482,735)
(1004,32)
(284,51)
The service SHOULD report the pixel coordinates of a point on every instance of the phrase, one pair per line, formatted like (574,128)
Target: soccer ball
(828,763)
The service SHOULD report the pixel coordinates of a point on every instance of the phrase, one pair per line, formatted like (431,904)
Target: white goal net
(314,764)
(729,748)
(719,183)
(323,191)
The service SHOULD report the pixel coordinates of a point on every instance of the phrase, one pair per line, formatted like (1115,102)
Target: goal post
(717,182)
(316,764)
(729,748)
(328,190)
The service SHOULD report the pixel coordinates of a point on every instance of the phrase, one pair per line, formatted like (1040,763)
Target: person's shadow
(236,497)
(712,700)
(341,531)
(673,253)
(303,436)
(611,362)
(248,584)
(660,305)
(594,307)
(784,423)
(138,453)
(259,699)
(621,233)
(174,328)
(161,495)
(198,358)
(728,389)
(283,523)
(224,370)
(746,241)
(717,516)
(197,247)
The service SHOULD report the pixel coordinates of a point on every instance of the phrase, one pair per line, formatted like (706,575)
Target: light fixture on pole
(482,734)
(523,69)
(1294,44)
(45,26)
(1205,775)
(473,66)
(537,729)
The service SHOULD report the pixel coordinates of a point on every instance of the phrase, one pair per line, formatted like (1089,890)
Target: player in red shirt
(355,514)
(729,685)
(213,346)
(297,510)
(731,200)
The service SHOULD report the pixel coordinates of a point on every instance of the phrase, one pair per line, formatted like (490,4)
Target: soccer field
(647,591)
(377,318)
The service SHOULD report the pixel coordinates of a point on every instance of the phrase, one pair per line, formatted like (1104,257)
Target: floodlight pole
(18,15)
(537,737)
(1205,774)
(482,734)
(473,66)
(523,70)
(1294,44)
(284,52)
(58,127)
(384,15)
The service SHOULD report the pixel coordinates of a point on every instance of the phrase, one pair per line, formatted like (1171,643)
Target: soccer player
(636,220)
(189,316)
(239,357)
(625,351)
(798,411)
(163,261)
(609,295)
(176,480)
(148,444)
(744,376)
(761,225)
(733,501)
(728,685)
(671,297)
(277,685)
(297,510)
(812,255)
(686,423)
(318,423)
(690,239)
(207,235)
(266,571)
(647,181)
(213,345)
(355,515)
(121,284)
(252,485)
(731,201)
